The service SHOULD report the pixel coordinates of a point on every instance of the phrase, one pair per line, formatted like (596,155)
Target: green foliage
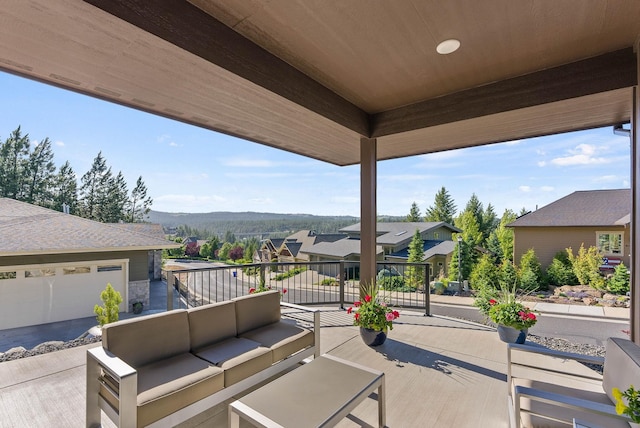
(109,312)
(586,266)
(619,283)
(560,271)
(632,407)
(414,214)
(330,282)
(513,314)
(508,276)
(485,274)
(443,208)
(373,313)
(289,273)
(414,275)
(504,235)
(397,283)
(138,204)
(530,271)
(223,253)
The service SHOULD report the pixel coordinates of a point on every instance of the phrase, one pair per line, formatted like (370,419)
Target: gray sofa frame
(101,362)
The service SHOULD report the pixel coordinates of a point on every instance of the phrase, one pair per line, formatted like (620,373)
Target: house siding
(547,241)
(138,260)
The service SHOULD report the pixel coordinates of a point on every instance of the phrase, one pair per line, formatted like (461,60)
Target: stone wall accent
(138,292)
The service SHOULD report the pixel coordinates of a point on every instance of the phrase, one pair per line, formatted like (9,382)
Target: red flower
(357,316)
(367,299)
(284,291)
(356,304)
(349,310)
(252,290)
(492,302)
(396,314)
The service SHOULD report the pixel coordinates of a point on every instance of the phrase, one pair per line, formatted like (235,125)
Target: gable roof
(431,248)
(342,248)
(394,233)
(582,208)
(29,229)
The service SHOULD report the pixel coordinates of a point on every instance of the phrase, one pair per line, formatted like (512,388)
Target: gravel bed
(566,346)
(43,348)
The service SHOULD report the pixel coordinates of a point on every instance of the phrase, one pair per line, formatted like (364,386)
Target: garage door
(31,295)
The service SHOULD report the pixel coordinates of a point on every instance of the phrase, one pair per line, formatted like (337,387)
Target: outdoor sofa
(546,391)
(162,369)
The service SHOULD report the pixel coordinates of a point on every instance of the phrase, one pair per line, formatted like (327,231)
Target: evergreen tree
(490,222)
(415,274)
(443,208)
(500,240)
(40,175)
(414,213)
(485,274)
(92,189)
(14,154)
(66,189)
(139,204)
(113,200)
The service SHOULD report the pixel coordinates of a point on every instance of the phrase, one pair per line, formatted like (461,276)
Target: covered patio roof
(346,82)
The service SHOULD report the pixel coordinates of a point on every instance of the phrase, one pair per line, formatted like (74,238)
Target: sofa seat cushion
(169,385)
(586,390)
(282,337)
(238,357)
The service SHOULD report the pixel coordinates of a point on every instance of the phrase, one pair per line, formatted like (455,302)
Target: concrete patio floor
(440,372)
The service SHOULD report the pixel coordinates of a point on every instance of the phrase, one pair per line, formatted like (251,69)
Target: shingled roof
(582,208)
(394,233)
(29,229)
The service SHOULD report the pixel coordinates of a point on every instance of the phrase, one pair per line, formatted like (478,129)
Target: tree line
(28,173)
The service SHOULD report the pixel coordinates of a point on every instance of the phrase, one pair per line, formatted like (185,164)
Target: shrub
(508,275)
(586,266)
(619,283)
(109,312)
(560,271)
(485,274)
(330,282)
(531,272)
(289,273)
(395,283)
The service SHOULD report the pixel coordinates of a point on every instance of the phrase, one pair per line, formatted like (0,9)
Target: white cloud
(173,144)
(583,154)
(547,189)
(59,143)
(524,188)
(542,163)
(606,179)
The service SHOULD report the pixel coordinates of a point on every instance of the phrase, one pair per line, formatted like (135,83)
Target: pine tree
(92,188)
(40,175)
(139,204)
(415,274)
(414,213)
(113,199)
(14,154)
(443,208)
(66,189)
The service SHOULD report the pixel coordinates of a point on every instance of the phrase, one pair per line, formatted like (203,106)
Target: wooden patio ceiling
(313,76)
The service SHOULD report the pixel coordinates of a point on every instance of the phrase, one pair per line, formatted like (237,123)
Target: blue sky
(188,169)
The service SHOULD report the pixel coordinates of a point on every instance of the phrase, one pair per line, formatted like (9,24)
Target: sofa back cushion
(621,365)
(213,323)
(142,340)
(257,310)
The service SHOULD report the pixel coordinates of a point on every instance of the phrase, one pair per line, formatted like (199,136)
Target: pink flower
(252,290)
(367,298)
(349,310)
(389,316)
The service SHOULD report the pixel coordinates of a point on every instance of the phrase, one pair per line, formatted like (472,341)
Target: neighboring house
(392,244)
(53,266)
(155,256)
(293,247)
(598,218)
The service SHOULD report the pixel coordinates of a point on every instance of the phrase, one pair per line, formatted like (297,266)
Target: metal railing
(402,285)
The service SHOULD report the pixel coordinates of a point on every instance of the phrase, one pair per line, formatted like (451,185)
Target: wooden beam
(188,27)
(368,211)
(603,73)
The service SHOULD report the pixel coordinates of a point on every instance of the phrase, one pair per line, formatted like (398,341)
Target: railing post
(170,290)
(341,275)
(262,270)
(427,292)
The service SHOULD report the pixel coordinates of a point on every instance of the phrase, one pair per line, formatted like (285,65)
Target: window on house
(610,242)
(72,270)
(109,268)
(37,273)
(7,275)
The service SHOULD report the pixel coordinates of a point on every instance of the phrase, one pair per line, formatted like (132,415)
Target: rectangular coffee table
(319,394)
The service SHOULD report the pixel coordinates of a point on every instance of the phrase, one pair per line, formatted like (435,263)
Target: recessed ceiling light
(448,46)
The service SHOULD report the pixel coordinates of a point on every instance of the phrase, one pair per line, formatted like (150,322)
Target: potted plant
(137,307)
(513,318)
(373,317)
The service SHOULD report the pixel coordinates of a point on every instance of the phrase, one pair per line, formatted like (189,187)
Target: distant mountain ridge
(219,222)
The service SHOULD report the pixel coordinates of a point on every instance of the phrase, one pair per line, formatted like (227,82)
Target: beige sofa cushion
(283,338)
(143,340)
(239,357)
(167,386)
(621,365)
(213,323)
(257,310)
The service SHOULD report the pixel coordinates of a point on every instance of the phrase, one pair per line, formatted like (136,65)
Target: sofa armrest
(316,323)
(550,353)
(100,364)
(570,403)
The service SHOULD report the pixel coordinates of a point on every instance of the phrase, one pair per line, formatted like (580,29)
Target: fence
(403,285)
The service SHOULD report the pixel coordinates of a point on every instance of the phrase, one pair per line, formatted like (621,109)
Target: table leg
(234,418)
(382,413)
